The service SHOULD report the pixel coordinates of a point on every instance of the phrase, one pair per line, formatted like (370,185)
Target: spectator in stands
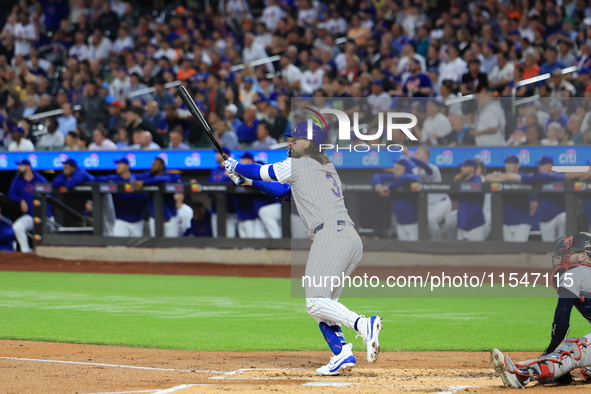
(473,78)
(225,135)
(134,121)
(502,74)
(248,131)
(25,35)
(574,126)
(99,46)
(417,84)
(153,114)
(53,139)
(71,176)
(404,206)
(176,141)
(436,127)
(162,96)
(490,127)
(215,95)
(115,121)
(123,139)
(22,192)
(120,85)
(108,21)
(552,63)
(264,140)
(19,142)
(123,41)
(101,140)
(454,68)
(66,121)
(94,105)
(142,140)
(552,135)
(135,84)
(71,143)
(79,50)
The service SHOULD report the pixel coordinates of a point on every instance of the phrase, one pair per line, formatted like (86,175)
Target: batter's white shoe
(504,366)
(342,362)
(369,329)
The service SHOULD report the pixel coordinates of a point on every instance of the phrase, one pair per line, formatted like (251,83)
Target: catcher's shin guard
(558,363)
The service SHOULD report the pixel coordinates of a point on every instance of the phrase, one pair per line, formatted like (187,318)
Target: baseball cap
(19,130)
(116,104)
(247,155)
(405,163)
(23,162)
(70,162)
(123,160)
(469,163)
(512,159)
(316,60)
(248,80)
(545,160)
(585,70)
(319,135)
(232,108)
(104,85)
(378,82)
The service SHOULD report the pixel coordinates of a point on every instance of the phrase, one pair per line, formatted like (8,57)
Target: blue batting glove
(230,164)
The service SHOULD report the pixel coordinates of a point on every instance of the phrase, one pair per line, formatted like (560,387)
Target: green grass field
(226,313)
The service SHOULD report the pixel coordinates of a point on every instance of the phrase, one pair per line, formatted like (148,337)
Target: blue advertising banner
(205,159)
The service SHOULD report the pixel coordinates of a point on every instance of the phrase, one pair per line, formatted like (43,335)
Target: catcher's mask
(564,246)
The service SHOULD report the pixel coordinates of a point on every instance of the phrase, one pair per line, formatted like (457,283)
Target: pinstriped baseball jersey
(316,189)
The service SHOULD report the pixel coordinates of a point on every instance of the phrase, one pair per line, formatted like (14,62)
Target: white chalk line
(173,389)
(127,392)
(108,365)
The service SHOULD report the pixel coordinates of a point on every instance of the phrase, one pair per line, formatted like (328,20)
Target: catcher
(573,268)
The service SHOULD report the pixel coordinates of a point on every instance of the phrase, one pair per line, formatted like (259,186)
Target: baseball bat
(196,113)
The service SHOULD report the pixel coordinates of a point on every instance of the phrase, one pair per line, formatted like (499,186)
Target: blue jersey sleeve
(253,171)
(60,180)
(281,191)
(105,178)
(383,177)
(79,176)
(425,166)
(164,178)
(14,192)
(402,180)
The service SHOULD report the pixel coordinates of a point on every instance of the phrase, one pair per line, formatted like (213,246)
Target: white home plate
(332,384)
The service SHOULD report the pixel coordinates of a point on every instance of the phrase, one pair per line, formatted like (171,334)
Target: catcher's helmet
(578,243)
(319,134)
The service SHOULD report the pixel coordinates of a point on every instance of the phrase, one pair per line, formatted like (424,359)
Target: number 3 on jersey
(335,190)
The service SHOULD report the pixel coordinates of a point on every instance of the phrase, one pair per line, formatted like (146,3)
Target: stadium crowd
(94,75)
(93,61)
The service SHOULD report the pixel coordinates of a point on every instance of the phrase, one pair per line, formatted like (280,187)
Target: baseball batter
(311,179)
(574,290)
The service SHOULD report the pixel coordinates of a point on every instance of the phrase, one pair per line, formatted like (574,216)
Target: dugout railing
(356,194)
